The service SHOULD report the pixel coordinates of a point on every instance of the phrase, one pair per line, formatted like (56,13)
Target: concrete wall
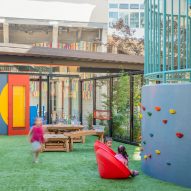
(166,155)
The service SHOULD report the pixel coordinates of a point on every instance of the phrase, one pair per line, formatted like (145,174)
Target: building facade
(64,24)
(132,13)
(51,92)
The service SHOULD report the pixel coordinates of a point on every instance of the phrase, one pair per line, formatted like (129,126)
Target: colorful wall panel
(18,103)
(3,104)
(166,132)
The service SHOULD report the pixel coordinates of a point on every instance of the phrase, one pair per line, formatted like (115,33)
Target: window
(113,6)
(125,17)
(124,6)
(134,20)
(142,21)
(134,6)
(113,15)
(142,6)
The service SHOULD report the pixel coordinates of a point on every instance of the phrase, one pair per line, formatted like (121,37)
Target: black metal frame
(40,80)
(111,77)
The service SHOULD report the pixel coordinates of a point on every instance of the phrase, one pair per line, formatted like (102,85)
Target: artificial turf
(74,171)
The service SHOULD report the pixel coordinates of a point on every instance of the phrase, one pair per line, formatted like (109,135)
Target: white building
(74,24)
(131,11)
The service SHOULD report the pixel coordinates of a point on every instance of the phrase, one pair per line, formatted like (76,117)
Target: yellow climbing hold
(172,111)
(157,152)
(145,157)
(141,116)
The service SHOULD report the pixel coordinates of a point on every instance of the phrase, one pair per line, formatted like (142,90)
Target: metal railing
(167,40)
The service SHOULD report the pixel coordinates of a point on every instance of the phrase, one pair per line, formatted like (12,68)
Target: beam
(45,61)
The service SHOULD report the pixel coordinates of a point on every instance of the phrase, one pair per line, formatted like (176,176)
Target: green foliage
(89,119)
(121,106)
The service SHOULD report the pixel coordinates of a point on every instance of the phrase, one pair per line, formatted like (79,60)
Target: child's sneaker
(134,173)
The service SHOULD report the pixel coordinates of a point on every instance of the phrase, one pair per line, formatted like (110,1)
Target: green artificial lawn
(74,171)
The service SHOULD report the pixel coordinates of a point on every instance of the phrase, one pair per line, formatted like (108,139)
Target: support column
(94,100)
(48,100)
(111,107)
(131,108)
(79,35)
(6,32)
(104,40)
(80,101)
(55,36)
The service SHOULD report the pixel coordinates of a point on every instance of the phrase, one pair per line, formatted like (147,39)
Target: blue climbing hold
(151,135)
(168,163)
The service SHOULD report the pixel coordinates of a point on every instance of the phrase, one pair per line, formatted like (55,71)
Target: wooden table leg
(67,145)
(101,137)
(83,139)
(71,144)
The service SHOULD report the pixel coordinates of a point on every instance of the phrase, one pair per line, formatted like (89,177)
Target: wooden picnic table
(63,128)
(56,142)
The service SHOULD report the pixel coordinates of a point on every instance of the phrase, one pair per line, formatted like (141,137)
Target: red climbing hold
(157,108)
(165,121)
(179,135)
(143,108)
(149,156)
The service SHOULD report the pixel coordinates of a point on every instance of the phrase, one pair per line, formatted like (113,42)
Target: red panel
(17,80)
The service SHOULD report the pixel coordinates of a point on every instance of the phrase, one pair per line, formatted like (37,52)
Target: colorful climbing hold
(168,163)
(141,149)
(179,135)
(165,121)
(145,157)
(172,111)
(151,135)
(143,108)
(149,114)
(141,116)
(157,108)
(149,156)
(144,142)
(157,152)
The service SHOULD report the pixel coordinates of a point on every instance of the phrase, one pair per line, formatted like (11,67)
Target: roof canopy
(25,54)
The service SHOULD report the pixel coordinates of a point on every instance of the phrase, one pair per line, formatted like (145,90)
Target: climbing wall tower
(166,113)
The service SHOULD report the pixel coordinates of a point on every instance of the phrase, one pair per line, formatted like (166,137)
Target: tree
(124,41)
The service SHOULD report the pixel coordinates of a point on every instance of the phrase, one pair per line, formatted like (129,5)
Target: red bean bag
(109,167)
(99,144)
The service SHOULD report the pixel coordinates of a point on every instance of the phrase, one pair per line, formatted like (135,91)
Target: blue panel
(33,114)
(174,162)
(3,125)
(3,81)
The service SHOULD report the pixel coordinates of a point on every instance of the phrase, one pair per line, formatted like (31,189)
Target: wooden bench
(56,142)
(73,135)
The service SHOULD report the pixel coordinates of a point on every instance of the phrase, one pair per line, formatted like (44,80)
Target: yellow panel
(4,104)
(18,106)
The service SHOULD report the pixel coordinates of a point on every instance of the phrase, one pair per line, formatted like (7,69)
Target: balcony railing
(82,45)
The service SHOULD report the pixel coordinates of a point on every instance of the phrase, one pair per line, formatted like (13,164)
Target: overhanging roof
(26,54)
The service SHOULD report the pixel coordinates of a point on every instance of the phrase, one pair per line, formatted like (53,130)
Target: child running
(36,137)
(122,156)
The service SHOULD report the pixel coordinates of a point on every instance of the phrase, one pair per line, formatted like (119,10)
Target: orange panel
(18,104)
